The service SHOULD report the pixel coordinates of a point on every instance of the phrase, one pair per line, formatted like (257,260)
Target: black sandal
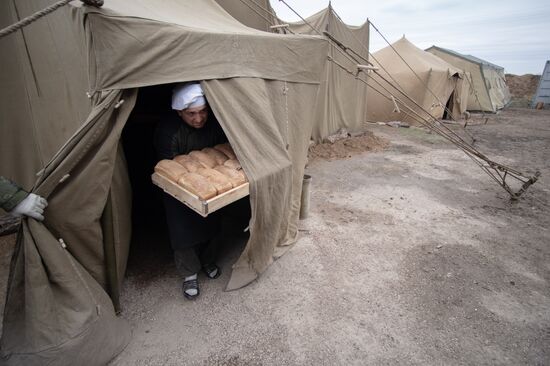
(190,285)
(212,271)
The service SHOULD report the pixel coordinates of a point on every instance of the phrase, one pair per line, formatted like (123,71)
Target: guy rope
(32,18)
(498,172)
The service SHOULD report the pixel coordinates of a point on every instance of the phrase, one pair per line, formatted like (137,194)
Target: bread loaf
(227,150)
(170,169)
(218,180)
(236,177)
(233,164)
(188,163)
(217,155)
(206,160)
(198,185)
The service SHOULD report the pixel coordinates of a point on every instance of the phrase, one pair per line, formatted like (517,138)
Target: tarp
(431,83)
(57,310)
(486,82)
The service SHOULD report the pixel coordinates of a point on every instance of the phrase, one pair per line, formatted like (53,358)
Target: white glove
(33,206)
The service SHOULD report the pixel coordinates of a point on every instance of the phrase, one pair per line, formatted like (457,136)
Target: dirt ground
(410,255)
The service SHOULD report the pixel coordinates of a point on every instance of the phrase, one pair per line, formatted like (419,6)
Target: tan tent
(259,85)
(488,91)
(342,99)
(435,85)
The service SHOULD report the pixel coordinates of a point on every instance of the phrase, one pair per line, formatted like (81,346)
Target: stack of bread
(205,173)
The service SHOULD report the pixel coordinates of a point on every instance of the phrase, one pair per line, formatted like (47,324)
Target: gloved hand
(33,206)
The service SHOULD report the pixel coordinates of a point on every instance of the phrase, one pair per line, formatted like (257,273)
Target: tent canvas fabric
(543,90)
(437,81)
(488,91)
(257,14)
(44,93)
(262,89)
(342,101)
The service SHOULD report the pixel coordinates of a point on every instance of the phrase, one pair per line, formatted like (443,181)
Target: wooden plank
(228,197)
(182,195)
(201,207)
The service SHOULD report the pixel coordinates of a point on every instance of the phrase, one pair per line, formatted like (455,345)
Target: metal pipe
(304,200)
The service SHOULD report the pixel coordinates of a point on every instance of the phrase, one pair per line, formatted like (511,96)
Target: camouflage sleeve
(10,194)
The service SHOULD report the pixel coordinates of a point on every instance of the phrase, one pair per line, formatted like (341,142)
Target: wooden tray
(198,205)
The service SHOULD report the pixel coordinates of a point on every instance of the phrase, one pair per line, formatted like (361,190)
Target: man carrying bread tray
(190,128)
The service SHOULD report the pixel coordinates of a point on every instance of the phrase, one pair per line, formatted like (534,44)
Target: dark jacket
(174,137)
(10,194)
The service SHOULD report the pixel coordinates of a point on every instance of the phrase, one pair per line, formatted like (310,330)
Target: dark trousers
(196,239)
(190,260)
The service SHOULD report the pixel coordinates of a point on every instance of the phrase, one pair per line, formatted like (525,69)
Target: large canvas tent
(261,88)
(341,102)
(488,91)
(435,85)
(543,90)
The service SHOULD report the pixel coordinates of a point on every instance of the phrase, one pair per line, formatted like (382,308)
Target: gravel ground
(411,255)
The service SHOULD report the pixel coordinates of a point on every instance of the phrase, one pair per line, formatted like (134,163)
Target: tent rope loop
(62,242)
(34,17)
(64,178)
(119,103)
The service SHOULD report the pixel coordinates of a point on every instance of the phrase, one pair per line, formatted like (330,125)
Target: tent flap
(276,115)
(131,47)
(56,307)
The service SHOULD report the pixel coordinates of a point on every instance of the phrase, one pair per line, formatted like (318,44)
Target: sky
(514,34)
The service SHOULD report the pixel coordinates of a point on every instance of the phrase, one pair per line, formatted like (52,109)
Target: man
(191,126)
(18,202)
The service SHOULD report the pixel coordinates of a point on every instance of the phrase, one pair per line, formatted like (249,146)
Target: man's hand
(32,206)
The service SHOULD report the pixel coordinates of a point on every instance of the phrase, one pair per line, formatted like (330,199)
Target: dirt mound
(347,147)
(522,88)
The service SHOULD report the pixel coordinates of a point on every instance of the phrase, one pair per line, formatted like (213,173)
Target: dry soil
(410,255)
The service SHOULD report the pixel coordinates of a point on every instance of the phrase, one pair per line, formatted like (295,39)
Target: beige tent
(67,270)
(488,91)
(435,85)
(342,99)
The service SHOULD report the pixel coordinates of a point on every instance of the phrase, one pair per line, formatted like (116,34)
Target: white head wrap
(187,95)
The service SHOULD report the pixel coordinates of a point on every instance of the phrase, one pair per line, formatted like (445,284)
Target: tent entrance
(449,107)
(150,249)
